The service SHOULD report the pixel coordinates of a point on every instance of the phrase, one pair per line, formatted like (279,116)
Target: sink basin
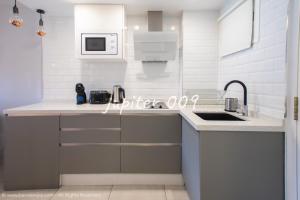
(218,117)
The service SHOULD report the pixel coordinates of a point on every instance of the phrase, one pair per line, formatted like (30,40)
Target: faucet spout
(245,94)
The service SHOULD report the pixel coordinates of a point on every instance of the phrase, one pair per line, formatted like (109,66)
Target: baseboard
(121,179)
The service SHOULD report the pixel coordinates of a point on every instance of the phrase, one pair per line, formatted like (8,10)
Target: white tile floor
(101,193)
(98,193)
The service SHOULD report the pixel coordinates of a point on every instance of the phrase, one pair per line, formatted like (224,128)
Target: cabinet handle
(151,144)
(175,114)
(296,108)
(88,129)
(86,144)
(89,114)
(121,144)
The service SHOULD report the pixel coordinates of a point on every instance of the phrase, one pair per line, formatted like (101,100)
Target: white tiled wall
(62,70)
(200,51)
(262,67)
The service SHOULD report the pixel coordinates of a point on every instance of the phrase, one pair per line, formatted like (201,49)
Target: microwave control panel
(112,44)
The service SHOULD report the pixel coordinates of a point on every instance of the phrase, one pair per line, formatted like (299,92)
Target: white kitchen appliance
(99,44)
(155,45)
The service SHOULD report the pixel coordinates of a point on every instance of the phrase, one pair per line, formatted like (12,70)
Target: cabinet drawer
(90,121)
(88,159)
(151,128)
(91,136)
(155,159)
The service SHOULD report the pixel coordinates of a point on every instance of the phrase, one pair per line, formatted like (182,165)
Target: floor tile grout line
(54,194)
(111,189)
(165,192)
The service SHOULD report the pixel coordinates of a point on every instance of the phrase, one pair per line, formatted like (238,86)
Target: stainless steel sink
(156,105)
(218,117)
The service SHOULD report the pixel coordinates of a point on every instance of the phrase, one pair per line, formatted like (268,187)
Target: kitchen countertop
(252,124)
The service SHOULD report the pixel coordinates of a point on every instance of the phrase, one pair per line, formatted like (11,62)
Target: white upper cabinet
(100,32)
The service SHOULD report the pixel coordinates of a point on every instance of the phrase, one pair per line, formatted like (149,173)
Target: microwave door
(95,44)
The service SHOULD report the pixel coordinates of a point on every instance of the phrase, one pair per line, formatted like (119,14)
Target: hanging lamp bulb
(41,31)
(16,20)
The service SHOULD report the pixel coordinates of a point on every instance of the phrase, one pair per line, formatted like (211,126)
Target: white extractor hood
(155,45)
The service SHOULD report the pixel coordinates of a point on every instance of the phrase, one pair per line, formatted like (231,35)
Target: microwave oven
(99,44)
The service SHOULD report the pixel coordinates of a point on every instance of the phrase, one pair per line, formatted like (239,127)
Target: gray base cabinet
(90,143)
(40,148)
(31,159)
(112,143)
(152,143)
(191,160)
(233,165)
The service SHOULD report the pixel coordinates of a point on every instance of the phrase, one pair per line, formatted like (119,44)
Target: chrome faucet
(245,108)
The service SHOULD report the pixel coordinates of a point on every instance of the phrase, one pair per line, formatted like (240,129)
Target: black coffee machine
(81,96)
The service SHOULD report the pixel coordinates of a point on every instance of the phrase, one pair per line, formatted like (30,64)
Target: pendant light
(16,20)
(41,31)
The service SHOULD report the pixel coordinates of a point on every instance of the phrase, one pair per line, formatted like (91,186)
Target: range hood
(155,45)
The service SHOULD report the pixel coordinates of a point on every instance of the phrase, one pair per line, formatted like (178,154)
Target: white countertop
(262,124)
(69,107)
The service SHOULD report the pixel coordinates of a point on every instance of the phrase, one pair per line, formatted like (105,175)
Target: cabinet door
(90,136)
(191,160)
(90,121)
(242,165)
(151,159)
(89,159)
(151,128)
(31,152)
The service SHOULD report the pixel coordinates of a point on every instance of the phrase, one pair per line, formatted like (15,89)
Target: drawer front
(88,159)
(90,121)
(151,128)
(91,136)
(156,159)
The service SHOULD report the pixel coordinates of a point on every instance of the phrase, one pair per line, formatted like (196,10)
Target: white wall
(262,67)
(200,52)
(227,5)
(62,70)
(292,138)
(20,59)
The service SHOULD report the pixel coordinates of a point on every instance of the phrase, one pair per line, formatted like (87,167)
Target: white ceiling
(134,7)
